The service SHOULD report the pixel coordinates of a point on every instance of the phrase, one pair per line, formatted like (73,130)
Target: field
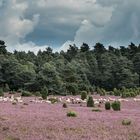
(44,121)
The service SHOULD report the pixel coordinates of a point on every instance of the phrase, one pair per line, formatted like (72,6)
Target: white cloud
(29,46)
(64,47)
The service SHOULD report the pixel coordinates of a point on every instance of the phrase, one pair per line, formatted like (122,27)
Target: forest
(84,68)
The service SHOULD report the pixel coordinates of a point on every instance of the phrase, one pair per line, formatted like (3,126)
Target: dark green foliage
(44,93)
(72,88)
(116,92)
(73,71)
(107,106)
(14,92)
(38,94)
(26,94)
(6,88)
(90,102)
(1,92)
(65,105)
(101,91)
(116,106)
(71,114)
(129,92)
(83,95)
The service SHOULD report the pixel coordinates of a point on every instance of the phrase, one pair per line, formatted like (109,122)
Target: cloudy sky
(36,24)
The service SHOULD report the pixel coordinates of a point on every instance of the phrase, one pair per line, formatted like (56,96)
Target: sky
(36,24)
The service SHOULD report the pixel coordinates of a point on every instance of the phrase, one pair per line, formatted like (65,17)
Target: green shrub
(72,88)
(20,90)
(107,106)
(38,94)
(6,88)
(83,95)
(90,102)
(126,122)
(65,105)
(44,93)
(12,92)
(116,106)
(1,92)
(26,94)
(116,92)
(96,110)
(101,91)
(71,114)
(53,100)
(83,87)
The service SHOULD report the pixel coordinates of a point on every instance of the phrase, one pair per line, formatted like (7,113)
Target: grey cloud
(54,22)
(122,27)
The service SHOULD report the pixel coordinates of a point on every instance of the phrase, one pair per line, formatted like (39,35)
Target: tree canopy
(80,68)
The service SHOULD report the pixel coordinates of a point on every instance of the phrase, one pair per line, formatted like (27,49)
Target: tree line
(82,68)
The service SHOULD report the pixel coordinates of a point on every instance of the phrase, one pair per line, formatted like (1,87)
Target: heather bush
(107,106)
(5,128)
(116,106)
(71,114)
(96,110)
(1,92)
(26,94)
(90,102)
(12,138)
(44,93)
(25,103)
(126,122)
(65,105)
(83,95)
